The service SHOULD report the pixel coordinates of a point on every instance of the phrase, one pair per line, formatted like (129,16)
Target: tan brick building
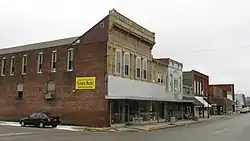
(106,75)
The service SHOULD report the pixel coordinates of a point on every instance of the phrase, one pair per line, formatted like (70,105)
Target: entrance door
(126,113)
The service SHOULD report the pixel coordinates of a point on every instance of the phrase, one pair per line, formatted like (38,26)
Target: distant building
(240,100)
(230,90)
(248,101)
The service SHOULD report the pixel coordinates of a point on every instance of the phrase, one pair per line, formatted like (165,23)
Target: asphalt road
(236,129)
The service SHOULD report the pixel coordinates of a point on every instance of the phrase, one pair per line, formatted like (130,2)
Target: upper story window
(39,62)
(3,66)
(201,93)
(70,59)
(138,67)
(175,85)
(118,61)
(171,83)
(145,68)
(198,87)
(153,76)
(53,61)
(12,65)
(24,64)
(195,87)
(126,63)
(160,78)
(180,83)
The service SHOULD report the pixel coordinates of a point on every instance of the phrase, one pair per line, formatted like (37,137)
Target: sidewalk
(158,126)
(131,128)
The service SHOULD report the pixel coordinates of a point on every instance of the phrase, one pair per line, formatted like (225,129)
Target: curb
(92,129)
(179,125)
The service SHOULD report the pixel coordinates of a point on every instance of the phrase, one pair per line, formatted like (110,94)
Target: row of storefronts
(145,111)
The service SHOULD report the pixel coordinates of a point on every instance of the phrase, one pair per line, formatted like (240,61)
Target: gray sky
(211,36)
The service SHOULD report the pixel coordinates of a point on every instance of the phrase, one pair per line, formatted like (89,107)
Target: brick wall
(84,107)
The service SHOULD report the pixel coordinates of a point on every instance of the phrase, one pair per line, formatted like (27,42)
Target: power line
(214,49)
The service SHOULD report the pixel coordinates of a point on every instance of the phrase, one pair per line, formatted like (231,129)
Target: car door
(30,119)
(38,118)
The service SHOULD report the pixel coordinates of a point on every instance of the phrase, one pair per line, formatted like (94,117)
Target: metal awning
(203,101)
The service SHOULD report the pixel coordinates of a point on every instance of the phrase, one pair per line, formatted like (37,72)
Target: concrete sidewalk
(158,126)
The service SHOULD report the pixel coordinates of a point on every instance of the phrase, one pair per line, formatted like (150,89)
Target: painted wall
(119,87)
(174,83)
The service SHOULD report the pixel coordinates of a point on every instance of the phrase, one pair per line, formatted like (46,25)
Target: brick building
(218,96)
(42,76)
(198,80)
(88,79)
(108,75)
(229,89)
(200,85)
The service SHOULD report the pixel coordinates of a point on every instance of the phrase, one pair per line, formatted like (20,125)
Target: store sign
(85,83)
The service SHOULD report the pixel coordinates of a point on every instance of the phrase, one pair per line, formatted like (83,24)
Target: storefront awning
(223,101)
(197,103)
(210,101)
(203,101)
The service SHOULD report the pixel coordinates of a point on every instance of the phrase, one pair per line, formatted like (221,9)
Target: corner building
(100,78)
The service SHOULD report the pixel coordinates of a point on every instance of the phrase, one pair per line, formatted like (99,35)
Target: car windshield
(48,114)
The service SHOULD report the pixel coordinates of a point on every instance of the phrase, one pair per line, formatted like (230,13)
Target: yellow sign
(85,83)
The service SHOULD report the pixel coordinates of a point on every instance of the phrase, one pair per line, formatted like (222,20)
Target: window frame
(195,87)
(40,62)
(53,60)
(176,85)
(144,69)
(180,83)
(126,54)
(3,66)
(116,61)
(138,67)
(24,64)
(171,86)
(162,78)
(70,58)
(12,65)
(159,78)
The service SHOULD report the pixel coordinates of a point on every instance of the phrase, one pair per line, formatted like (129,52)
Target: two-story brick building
(105,75)
(200,84)
(230,94)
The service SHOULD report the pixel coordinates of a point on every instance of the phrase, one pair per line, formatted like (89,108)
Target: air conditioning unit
(49,95)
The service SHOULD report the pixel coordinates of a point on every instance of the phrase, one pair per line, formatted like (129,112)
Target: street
(235,129)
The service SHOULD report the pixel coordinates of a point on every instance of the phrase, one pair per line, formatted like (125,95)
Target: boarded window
(19,91)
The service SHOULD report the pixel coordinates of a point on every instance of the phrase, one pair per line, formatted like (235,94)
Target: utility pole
(208,108)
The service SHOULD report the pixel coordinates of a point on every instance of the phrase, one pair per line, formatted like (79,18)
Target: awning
(223,101)
(210,101)
(203,101)
(197,102)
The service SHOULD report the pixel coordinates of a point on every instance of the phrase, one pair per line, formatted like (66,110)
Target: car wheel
(23,124)
(41,125)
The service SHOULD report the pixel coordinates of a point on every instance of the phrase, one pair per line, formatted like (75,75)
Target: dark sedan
(40,119)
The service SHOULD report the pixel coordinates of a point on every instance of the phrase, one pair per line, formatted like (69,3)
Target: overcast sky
(211,36)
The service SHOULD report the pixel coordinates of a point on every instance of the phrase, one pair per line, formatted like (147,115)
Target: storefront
(136,111)
(201,109)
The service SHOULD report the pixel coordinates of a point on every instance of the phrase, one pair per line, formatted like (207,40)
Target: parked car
(244,110)
(40,119)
